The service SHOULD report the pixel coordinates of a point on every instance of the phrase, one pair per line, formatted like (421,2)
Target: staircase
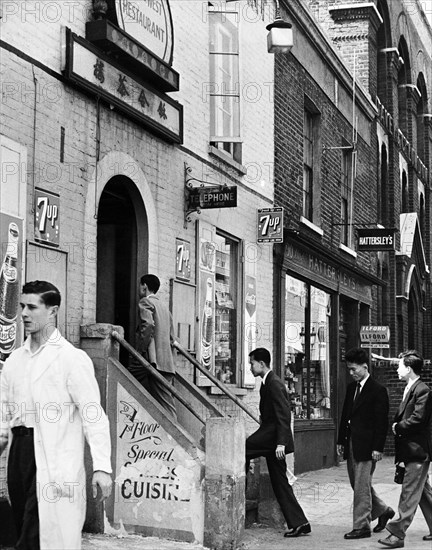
(181,479)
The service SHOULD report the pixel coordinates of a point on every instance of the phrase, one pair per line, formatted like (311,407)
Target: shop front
(324,304)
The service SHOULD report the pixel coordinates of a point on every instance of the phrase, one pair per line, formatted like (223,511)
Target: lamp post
(280,35)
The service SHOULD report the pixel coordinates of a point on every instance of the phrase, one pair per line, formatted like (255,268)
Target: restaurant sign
(87,67)
(149,22)
(376,239)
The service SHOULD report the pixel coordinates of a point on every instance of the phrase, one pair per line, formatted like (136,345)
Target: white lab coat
(66,396)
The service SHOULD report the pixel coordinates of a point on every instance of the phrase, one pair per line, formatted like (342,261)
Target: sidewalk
(326,497)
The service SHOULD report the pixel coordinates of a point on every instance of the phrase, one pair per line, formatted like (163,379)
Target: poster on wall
(155,476)
(206,251)
(250,328)
(11,229)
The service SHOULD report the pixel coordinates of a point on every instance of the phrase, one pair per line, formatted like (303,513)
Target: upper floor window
(308,165)
(224,78)
(346,186)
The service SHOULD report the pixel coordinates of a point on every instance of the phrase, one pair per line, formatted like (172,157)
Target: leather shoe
(392,542)
(383,519)
(358,534)
(299,530)
(428,537)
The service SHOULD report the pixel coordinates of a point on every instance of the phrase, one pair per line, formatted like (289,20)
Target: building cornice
(353,12)
(299,14)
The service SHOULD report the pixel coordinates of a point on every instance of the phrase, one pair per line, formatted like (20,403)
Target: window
(225,86)
(346,187)
(308,173)
(307,349)
(226,309)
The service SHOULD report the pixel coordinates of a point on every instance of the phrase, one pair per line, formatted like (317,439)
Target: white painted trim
(311,225)
(348,250)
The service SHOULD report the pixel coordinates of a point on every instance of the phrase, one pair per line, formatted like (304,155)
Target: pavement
(326,498)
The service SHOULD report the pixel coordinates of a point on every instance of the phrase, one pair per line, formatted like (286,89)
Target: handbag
(399,474)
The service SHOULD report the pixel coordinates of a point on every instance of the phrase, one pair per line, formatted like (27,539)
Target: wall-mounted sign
(183,260)
(250,328)
(270,225)
(93,71)
(375,336)
(376,239)
(47,217)
(131,54)
(149,22)
(212,197)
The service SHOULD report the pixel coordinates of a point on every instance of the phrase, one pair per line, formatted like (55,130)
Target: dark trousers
(154,387)
(291,509)
(22,491)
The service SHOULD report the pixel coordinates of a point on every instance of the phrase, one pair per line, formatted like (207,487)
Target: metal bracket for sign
(188,210)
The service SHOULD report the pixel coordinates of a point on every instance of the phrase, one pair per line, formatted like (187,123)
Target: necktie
(357,392)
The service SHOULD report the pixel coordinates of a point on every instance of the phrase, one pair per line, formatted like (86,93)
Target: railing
(154,372)
(215,381)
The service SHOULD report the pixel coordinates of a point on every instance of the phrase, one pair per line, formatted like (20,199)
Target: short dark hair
(358,356)
(261,354)
(413,359)
(151,281)
(48,293)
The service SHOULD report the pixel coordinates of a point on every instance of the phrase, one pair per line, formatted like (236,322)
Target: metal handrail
(154,372)
(215,381)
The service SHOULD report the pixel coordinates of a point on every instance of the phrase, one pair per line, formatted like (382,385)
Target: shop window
(307,349)
(226,309)
(224,82)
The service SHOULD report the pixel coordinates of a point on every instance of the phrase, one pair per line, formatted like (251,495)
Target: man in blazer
(274,440)
(413,447)
(155,339)
(362,434)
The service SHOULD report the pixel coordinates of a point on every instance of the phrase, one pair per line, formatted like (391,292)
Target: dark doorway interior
(117,257)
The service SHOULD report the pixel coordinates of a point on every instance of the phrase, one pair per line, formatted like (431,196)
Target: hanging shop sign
(149,22)
(375,336)
(88,68)
(212,197)
(131,54)
(270,225)
(47,217)
(376,239)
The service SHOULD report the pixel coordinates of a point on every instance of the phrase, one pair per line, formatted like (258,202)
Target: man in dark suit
(155,339)
(413,446)
(274,440)
(362,434)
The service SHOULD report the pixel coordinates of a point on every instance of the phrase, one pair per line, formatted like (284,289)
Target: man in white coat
(50,402)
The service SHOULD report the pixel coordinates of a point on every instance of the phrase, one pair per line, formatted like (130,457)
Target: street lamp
(280,35)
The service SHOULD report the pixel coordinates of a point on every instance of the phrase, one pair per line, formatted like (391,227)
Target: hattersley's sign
(376,239)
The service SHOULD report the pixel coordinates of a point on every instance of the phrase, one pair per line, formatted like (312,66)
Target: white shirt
(411,381)
(264,377)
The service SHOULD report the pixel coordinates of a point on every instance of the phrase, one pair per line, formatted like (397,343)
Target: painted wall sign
(155,476)
(149,22)
(250,328)
(92,70)
(376,239)
(183,259)
(270,225)
(213,197)
(47,217)
(375,333)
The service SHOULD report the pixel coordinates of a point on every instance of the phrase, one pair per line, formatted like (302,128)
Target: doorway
(122,246)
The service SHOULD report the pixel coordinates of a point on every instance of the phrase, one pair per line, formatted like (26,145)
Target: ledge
(309,425)
(215,152)
(348,250)
(350,12)
(312,226)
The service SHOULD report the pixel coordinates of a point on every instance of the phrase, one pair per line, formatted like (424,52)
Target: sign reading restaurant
(149,22)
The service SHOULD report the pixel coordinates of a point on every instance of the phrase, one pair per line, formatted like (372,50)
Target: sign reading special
(155,476)
(149,22)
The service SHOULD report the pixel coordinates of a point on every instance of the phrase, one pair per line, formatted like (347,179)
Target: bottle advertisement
(10,283)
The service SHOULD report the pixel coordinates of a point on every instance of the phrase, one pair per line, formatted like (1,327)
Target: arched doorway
(122,253)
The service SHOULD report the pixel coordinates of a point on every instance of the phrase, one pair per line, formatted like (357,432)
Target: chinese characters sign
(47,217)
(270,225)
(89,68)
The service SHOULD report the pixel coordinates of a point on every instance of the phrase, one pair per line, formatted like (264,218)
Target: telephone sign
(270,225)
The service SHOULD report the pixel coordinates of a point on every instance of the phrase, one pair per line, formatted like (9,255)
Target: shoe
(358,534)
(428,537)
(392,542)
(300,530)
(383,519)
